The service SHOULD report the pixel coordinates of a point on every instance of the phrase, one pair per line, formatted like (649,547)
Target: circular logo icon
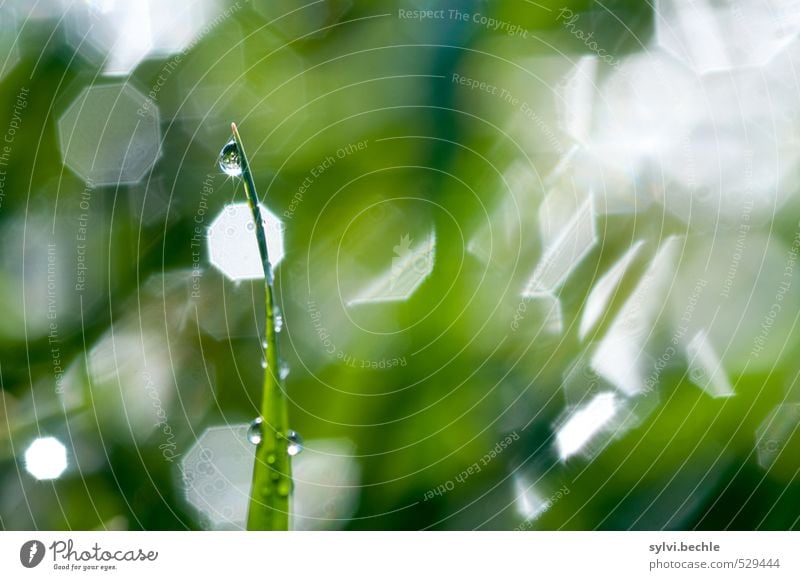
(31,553)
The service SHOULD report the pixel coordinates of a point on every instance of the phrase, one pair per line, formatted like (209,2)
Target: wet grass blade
(272,475)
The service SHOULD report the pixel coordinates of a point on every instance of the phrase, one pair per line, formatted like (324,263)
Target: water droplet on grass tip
(254,432)
(229,160)
(295,443)
(284,370)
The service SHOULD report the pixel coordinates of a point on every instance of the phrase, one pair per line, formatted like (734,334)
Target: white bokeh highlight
(705,367)
(326,485)
(218,471)
(738,288)
(621,357)
(46,458)
(720,35)
(528,501)
(217,475)
(585,423)
(605,289)
(709,147)
(561,256)
(118,35)
(233,246)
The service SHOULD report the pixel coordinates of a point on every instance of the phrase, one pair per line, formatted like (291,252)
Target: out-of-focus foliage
(539,272)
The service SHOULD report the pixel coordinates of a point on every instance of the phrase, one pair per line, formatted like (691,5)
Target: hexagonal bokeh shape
(326,478)
(46,458)
(232,244)
(107,136)
(217,474)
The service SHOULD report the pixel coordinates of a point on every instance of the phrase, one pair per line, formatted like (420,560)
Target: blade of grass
(272,474)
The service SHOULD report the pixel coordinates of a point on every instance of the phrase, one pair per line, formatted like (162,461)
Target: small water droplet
(284,370)
(263,363)
(229,160)
(283,489)
(254,432)
(271,458)
(275,476)
(264,344)
(277,317)
(295,443)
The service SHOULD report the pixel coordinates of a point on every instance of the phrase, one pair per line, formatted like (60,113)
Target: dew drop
(277,318)
(295,443)
(263,363)
(271,458)
(229,160)
(254,432)
(283,489)
(264,344)
(284,370)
